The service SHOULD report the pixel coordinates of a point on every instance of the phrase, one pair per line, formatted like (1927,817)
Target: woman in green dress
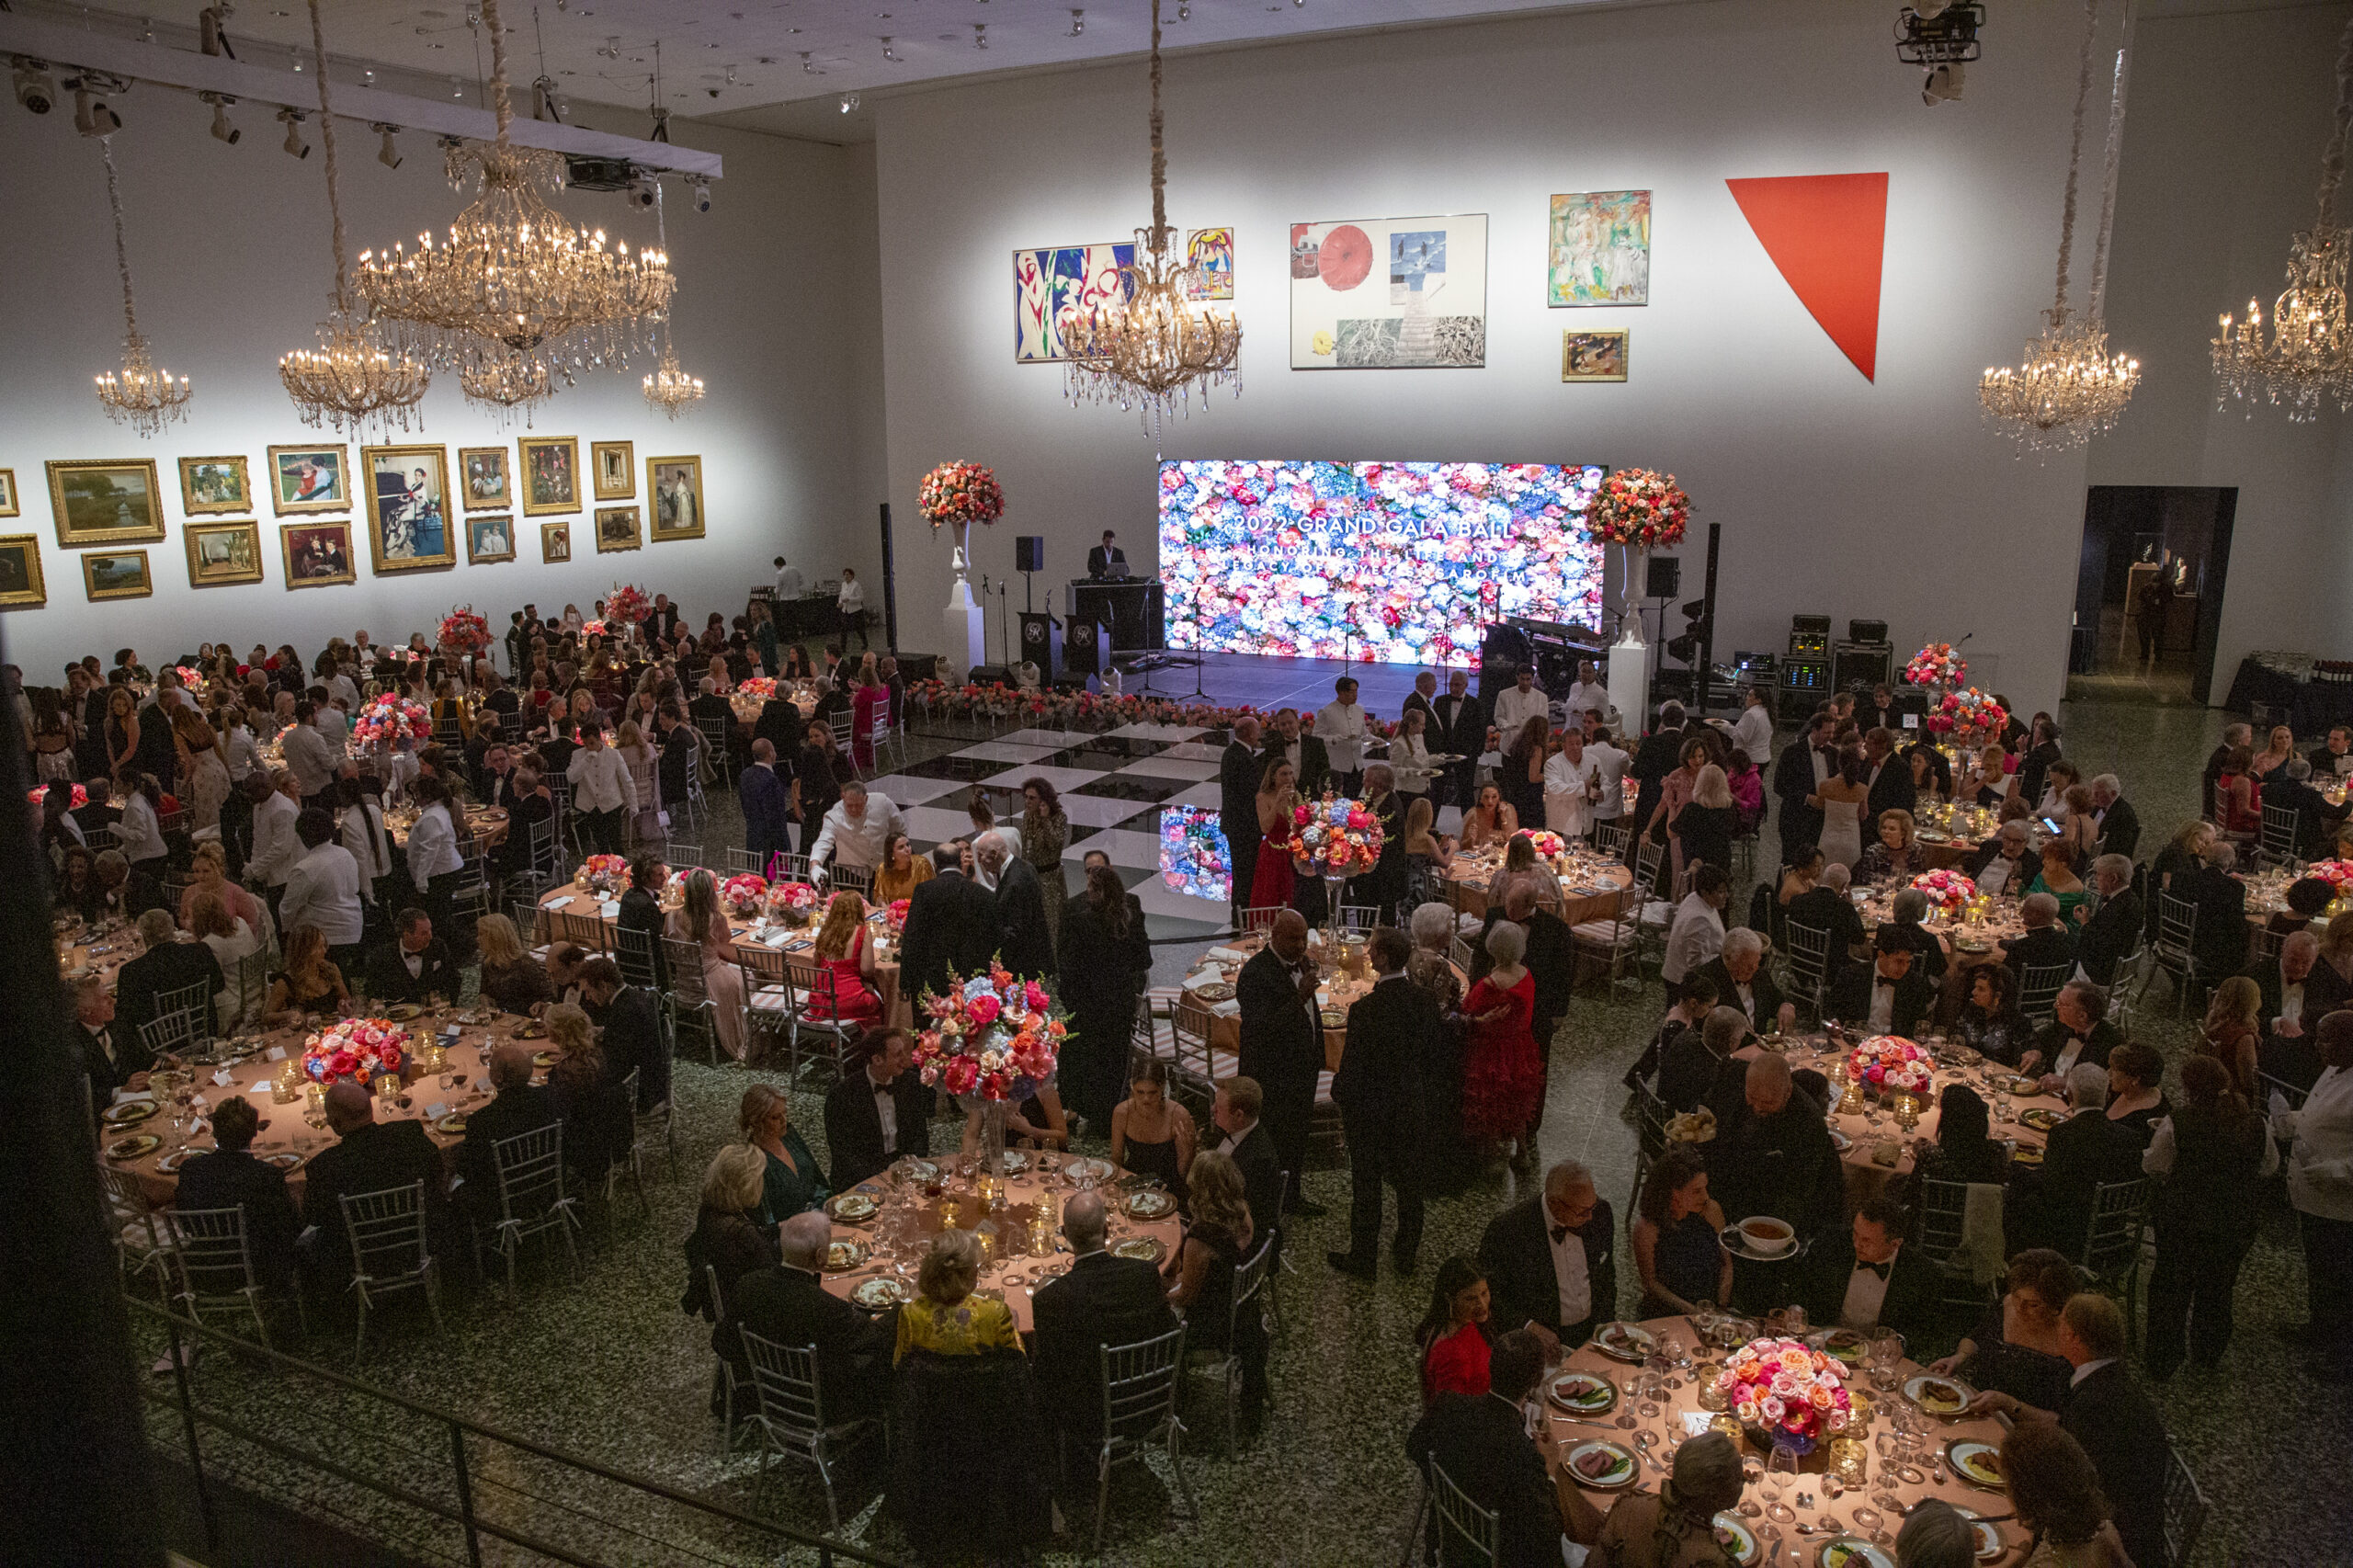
(2058,878)
(793,1183)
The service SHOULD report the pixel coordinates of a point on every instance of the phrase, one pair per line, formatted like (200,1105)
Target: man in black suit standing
(1460,728)
(2289,1010)
(1282,1040)
(2120,824)
(414,966)
(1550,1263)
(1888,998)
(786,1303)
(1392,1031)
(628,1027)
(230,1177)
(518,1107)
(1237,807)
(1102,1300)
(1481,1442)
(1891,788)
(1423,696)
(1306,753)
(879,1112)
(368,1157)
(1799,773)
(1252,1149)
(1772,1154)
(951,927)
(1107,562)
(167,965)
(1867,1278)
(1384,885)
(1660,754)
(766,799)
(1025,945)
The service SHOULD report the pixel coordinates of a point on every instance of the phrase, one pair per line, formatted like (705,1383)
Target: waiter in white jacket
(854,832)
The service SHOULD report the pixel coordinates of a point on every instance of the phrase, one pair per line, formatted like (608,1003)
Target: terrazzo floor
(608,1367)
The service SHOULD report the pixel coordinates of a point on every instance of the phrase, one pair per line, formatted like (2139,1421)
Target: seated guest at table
(78,891)
(2210,1156)
(1490,820)
(112,1057)
(2232,1035)
(793,1183)
(2185,851)
(564,964)
(1772,1154)
(2110,933)
(2078,1033)
(1675,1526)
(2058,878)
(1677,1252)
(229,1176)
(1897,852)
(786,1303)
(1521,866)
(1549,1260)
(1963,1149)
(2056,1491)
(1428,853)
(1199,1275)
(599,1120)
(232,941)
(2016,1346)
(1102,1300)
(640,911)
(2306,900)
(414,966)
(1934,1536)
(1931,771)
(518,1107)
(367,1156)
(1152,1134)
(2078,824)
(1697,934)
(1824,906)
(2238,799)
(208,872)
(1888,997)
(511,977)
(1481,1443)
(2136,1099)
(1694,1000)
(1865,1278)
(1452,1335)
(1907,911)
(165,965)
(2333,758)
(902,872)
(2220,940)
(310,986)
(2043,944)
(879,1112)
(2052,1206)
(2001,867)
(629,1028)
(1698,1059)
(1987,780)
(729,1238)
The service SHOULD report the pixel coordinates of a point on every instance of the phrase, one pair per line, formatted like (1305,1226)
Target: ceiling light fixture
(1077,23)
(887,53)
(980,35)
(388,153)
(670,388)
(849,102)
(294,144)
(141,393)
(1940,35)
(222,132)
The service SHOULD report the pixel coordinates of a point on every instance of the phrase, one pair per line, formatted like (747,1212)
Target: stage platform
(1267,682)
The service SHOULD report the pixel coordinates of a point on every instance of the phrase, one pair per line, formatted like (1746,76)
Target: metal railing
(425,1483)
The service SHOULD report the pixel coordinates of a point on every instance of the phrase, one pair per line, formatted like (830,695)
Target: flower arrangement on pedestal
(390,718)
(627,605)
(1936,665)
(962,493)
(1335,837)
(192,680)
(39,796)
(1947,891)
(1966,715)
(1640,508)
(761,686)
(356,1048)
(1890,1062)
(603,872)
(464,632)
(744,895)
(1794,1395)
(992,1036)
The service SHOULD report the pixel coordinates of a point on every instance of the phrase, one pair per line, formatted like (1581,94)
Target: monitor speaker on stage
(1665,578)
(1029,552)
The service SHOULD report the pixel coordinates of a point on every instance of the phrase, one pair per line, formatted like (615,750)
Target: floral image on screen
(1194,859)
(1387,562)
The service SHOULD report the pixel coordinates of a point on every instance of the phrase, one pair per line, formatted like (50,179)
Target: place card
(436,1111)
(223,1078)
(277,1053)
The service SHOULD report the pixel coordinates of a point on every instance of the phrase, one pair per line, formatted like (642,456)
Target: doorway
(2149,591)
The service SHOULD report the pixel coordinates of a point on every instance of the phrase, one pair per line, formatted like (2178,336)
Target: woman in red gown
(842,947)
(1271,885)
(1502,1073)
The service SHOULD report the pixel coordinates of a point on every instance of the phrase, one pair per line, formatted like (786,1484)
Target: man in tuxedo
(1282,1038)
(2219,899)
(1237,807)
(518,1107)
(98,810)
(952,927)
(1772,1154)
(787,1303)
(2333,758)
(1803,767)
(2053,1207)
(1551,957)
(1660,754)
(1392,1031)
(1550,1263)
(2003,864)
(1306,753)
(2113,930)
(166,964)
(1026,946)
(2043,945)
(1107,563)
(368,1157)
(1881,714)
(2234,737)
(112,1057)
(230,1177)
(1102,1300)
(879,1112)
(1234,1111)
(1865,1277)
(1888,998)
(414,966)
(2120,824)
(2287,1050)
(1423,696)
(2316,819)
(768,805)
(1480,1441)
(1461,728)
(1824,906)
(1891,788)
(642,909)
(1698,1059)
(1740,981)
(1384,885)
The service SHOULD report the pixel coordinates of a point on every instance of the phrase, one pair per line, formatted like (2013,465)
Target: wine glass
(1781,1469)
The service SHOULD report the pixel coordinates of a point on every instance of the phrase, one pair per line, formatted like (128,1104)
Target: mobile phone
(2050,825)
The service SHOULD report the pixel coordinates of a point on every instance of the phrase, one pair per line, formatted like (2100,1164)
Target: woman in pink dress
(869,702)
(1272,884)
(1502,1074)
(842,947)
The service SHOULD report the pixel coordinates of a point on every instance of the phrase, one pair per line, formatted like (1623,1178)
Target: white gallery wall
(230,250)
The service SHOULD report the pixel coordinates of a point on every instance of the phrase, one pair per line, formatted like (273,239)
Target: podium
(1134,610)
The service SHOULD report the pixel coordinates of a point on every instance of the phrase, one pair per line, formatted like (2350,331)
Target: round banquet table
(1887,1489)
(485,823)
(800,694)
(1022,1247)
(1591,883)
(1223,963)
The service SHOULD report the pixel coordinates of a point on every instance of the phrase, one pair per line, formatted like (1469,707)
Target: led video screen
(1394,562)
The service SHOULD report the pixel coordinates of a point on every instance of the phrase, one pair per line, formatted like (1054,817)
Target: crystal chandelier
(506,384)
(140,393)
(669,389)
(514,281)
(354,375)
(1148,348)
(2310,358)
(2070,387)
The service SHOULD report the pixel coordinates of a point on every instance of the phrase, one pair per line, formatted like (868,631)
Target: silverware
(1580,1421)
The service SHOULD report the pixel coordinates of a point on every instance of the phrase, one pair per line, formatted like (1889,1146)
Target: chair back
(635,951)
(2266,946)
(2113,1239)
(685,958)
(840,724)
(856,878)
(1261,917)
(530,1174)
(791,867)
(1458,952)
(1943,1205)
(1647,856)
(253,985)
(544,849)
(2270,1085)
(646,782)
(1188,1029)
(1466,1532)
(215,1259)
(2282,829)
(2177,928)
(1139,1386)
(743,862)
(1651,1116)
(2039,989)
(1609,837)
(718,1297)
(713,729)
(578,930)
(1249,1279)
(1360,916)
(681,856)
(386,1229)
(784,1380)
(2185,1507)
(126,1205)
(1809,960)
(183,1020)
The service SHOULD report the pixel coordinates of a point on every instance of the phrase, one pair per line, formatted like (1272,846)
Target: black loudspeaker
(1665,578)
(990,674)
(1041,642)
(1028,552)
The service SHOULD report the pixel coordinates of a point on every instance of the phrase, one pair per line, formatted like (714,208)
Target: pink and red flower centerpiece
(464,632)
(894,916)
(1889,1062)
(1794,1395)
(1936,665)
(605,873)
(1640,508)
(362,1049)
(391,717)
(1549,847)
(1335,837)
(628,604)
(191,679)
(1967,716)
(744,893)
(594,628)
(793,900)
(960,492)
(1946,891)
(993,1037)
(761,686)
(2337,874)
(39,796)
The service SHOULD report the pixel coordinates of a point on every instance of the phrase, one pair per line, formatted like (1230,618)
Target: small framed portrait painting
(210,486)
(408,521)
(310,479)
(489,483)
(317,554)
(674,487)
(616,528)
(106,503)
(615,466)
(1593,356)
(550,474)
(20,581)
(9,505)
(490,538)
(555,542)
(220,553)
(116,574)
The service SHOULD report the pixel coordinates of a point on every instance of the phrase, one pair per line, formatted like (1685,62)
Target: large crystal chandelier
(2310,358)
(354,376)
(1148,348)
(140,393)
(669,389)
(517,293)
(2070,387)
(506,385)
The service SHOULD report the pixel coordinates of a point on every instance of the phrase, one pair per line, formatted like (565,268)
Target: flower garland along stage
(1071,709)
(1335,837)
(991,1036)
(390,718)
(1794,1395)
(1892,1063)
(1946,891)
(362,1049)
(1936,665)
(960,492)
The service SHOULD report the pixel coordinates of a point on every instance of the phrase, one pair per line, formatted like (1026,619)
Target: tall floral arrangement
(464,632)
(1641,508)
(355,1047)
(192,680)
(1936,665)
(960,492)
(992,1036)
(1967,714)
(628,604)
(1335,837)
(1793,1395)
(390,718)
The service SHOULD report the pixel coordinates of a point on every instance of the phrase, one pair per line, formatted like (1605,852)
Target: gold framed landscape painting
(310,479)
(1593,356)
(550,474)
(490,538)
(106,502)
(220,553)
(615,464)
(408,507)
(116,574)
(616,528)
(316,554)
(674,487)
(20,581)
(212,486)
(489,483)
(555,543)
(9,505)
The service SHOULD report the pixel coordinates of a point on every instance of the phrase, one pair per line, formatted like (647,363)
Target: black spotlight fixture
(1942,35)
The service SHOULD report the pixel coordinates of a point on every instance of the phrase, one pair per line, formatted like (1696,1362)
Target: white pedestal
(1630,668)
(965,628)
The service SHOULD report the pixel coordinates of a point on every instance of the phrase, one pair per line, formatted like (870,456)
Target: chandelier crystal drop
(2309,359)
(1148,348)
(356,376)
(515,280)
(141,393)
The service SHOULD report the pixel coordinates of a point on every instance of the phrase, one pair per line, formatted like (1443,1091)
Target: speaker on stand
(1664,578)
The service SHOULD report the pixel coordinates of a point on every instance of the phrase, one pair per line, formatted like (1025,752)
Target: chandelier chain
(500,106)
(2332,159)
(2109,165)
(1159,152)
(334,186)
(121,250)
(2074,158)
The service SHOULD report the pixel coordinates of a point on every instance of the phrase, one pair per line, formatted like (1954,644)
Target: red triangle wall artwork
(1827,234)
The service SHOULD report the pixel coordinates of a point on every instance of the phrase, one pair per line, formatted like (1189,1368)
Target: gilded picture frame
(116,574)
(409,525)
(486,478)
(309,479)
(223,553)
(1594,355)
(317,555)
(617,528)
(21,584)
(215,487)
(674,497)
(490,538)
(555,543)
(550,474)
(9,505)
(106,501)
(613,465)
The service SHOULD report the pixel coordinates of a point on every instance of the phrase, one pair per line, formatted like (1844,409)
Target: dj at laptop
(1105,562)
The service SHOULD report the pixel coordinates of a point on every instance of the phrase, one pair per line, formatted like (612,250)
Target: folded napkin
(1226,1009)
(1227,955)
(1885,1152)
(610,910)
(1207,977)
(560,902)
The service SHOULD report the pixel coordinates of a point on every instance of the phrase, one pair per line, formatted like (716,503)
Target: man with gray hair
(1237,807)
(856,829)
(1026,946)
(786,1303)
(2234,737)
(2220,942)
(1936,1536)
(1102,1300)
(1699,1059)
(2002,864)
(1550,1263)
(1385,884)
(2077,1035)
(2053,1207)
(2112,932)
(2043,945)
(2118,824)
(2290,789)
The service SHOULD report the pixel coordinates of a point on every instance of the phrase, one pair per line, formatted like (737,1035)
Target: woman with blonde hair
(209,873)
(1895,854)
(1519,866)
(842,947)
(698,919)
(1704,830)
(598,1118)
(204,767)
(2233,1030)
(1428,853)
(1990,781)
(511,977)
(728,1237)
(793,1182)
(638,755)
(232,940)
(1200,1272)
(945,1318)
(2278,747)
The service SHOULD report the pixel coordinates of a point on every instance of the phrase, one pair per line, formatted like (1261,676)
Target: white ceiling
(740,61)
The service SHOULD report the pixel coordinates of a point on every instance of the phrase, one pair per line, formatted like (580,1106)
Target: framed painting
(116,574)
(212,486)
(317,554)
(1599,249)
(615,463)
(616,528)
(1211,250)
(1389,294)
(490,538)
(1049,285)
(550,474)
(674,485)
(1593,356)
(489,482)
(21,586)
(408,514)
(221,553)
(555,542)
(310,479)
(9,505)
(106,503)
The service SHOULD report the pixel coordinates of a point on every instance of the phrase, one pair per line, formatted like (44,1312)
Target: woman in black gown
(1104,960)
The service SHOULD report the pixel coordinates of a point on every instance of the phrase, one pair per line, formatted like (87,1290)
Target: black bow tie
(1560,1234)
(1879,1269)
(1886,981)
